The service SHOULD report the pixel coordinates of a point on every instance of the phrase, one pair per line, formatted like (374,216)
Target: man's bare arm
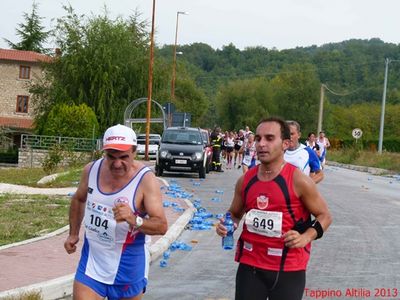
(306,189)
(236,209)
(156,223)
(317,176)
(77,211)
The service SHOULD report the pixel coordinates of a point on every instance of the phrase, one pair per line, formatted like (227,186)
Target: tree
(296,91)
(191,99)
(32,33)
(244,102)
(104,63)
(71,121)
(365,116)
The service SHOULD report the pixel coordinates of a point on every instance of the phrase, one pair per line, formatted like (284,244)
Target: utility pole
(321,108)
(387,60)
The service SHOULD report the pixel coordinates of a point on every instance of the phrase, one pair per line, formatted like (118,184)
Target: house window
(22,104)
(24,72)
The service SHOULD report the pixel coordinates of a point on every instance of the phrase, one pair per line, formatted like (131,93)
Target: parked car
(182,149)
(154,144)
(207,146)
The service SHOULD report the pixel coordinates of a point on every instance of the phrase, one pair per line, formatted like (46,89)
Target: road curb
(36,239)
(16,189)
(53,289)
(371,170)
(173,232)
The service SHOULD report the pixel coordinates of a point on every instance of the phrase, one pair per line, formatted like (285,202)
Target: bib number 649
(263,223)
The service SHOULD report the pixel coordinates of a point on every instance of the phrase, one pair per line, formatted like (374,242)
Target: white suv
(154,143)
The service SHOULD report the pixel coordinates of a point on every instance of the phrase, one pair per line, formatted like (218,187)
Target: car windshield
(153,140)
(205,137)
(182,137)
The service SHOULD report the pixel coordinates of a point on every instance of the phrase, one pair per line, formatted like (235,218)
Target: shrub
(71,121)
(53,159)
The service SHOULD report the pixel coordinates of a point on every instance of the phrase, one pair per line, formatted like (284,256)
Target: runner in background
(249,153)
(302,157)
(323,144)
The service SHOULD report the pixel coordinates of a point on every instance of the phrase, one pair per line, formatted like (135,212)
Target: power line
(341,94)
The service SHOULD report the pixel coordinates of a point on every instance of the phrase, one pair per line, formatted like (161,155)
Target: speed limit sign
(357,133)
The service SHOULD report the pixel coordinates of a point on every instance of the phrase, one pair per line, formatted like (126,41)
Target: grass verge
(66,179)
(24,217)
(26,296)
(22,176)
(30,177)
(387,160)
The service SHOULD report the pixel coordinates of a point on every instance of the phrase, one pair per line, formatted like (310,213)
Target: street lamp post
(150,84)
(174,61)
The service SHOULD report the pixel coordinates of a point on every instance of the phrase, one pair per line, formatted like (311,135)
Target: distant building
(18,69)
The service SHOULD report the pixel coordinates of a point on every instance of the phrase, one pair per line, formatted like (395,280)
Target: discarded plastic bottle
(227,241)
(163,263)
(166,254)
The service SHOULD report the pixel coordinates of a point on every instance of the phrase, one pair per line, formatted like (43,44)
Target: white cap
(119,137)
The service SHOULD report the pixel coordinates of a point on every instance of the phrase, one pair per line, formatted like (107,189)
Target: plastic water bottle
(227,241)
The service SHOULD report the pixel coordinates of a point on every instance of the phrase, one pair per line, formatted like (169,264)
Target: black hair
(285,130)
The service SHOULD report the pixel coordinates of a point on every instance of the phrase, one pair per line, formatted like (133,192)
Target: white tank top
(105,236)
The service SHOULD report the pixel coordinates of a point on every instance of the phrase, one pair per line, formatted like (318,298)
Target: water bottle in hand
(227,241)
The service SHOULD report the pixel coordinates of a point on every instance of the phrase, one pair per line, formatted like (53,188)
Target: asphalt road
(358,258)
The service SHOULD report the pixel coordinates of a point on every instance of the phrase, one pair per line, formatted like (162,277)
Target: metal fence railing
(46,142)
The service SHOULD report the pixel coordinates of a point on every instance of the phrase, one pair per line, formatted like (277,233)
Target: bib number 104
(98,222)
(263,223)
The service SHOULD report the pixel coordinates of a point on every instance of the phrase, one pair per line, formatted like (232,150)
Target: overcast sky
(282,24)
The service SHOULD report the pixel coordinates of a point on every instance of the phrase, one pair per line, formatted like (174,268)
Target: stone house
(18,70)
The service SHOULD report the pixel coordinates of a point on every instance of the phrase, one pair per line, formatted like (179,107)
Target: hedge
(390,145)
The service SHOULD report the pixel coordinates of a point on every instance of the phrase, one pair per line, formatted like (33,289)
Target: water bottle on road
(227,241)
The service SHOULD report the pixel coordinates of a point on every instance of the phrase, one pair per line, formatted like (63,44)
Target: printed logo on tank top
(262,201)
(121,200)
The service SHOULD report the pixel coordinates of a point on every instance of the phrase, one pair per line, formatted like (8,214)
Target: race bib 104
(100,224)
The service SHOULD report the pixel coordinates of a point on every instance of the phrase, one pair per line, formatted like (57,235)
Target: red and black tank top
(272,208)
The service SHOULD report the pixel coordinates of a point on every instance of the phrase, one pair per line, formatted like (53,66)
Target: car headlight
(164,154)
(197,156)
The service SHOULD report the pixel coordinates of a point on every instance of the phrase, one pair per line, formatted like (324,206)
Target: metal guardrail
(46,142)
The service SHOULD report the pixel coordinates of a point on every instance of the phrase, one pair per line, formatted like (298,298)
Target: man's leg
(218,163)
(249,285)
(290,286)
(137,297)
(83,292)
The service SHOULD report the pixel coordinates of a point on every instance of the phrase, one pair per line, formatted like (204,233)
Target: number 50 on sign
(357,133)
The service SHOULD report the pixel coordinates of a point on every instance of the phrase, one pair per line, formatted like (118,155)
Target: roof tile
(25,56)
(26,123)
